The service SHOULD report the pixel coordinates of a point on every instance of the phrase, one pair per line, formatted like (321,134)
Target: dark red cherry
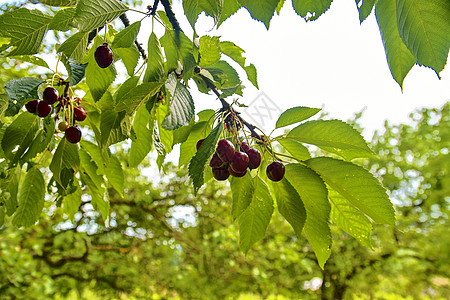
(275,171)
(239,162)
(244,147)
(236,174)
(50,95)
(104,56)
(199,143)
(79,113)
(73,134)
(254,158)
(225,150)
(31,106)
(215,161)
(43,109)
(221,173)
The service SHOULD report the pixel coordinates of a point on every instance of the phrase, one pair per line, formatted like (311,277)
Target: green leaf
(141,143)
(290,205)
(75,71)
(348,218)
(31,199)
(19,90)
(280,6)
(92,14)
(126,37)
(357,185)
(4,102)
(331,134)
(20,133)
(364,8)
(296,114)
(181,105)
(114,174)
(209,50)
(155,65)
(424,26)
(125,87)
(399,58)
(224,74)
(229,8)
(164,136)
(254,220)
(295,148)
(63,19)
(42,139)
(65,157)
(32,59)
(178,48)
(192,8)
(311,10)
(71,203)
(75,46)
(26,30)
(95,182)
(59,3)
(235,53)
(9,188)
(261,10)
(131,101)
(200,159)
(189,147)
(129,56)
(242,190)
(314,195)
(111,127)
(101,158)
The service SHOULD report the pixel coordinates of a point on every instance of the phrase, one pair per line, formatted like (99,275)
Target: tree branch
(169,12)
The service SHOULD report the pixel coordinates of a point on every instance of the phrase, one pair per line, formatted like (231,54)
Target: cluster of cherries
(227,161)
(44,107)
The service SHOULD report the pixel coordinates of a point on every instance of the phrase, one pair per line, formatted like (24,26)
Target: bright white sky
(333,62)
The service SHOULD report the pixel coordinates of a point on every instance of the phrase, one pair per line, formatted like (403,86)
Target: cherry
(275,171)
(245,147)
(221,173)
(239,162)
(254,158)
(73,134)
(225,150)
(103,56)
(236,174)
(199,143)
(50,95)
(79,113)
(63,125)
(43,109)
(31,106)
(215,161)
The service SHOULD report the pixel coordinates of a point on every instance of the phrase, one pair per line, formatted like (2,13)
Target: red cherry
(215,161)
(104,56)
(79,113)
(199,143)
(50,95)
(225,150)
(275,171)
(239,162)
(244,147)
(236,174)
(31,106)
(43,109)
(221,173)
(73,134)
(254,158)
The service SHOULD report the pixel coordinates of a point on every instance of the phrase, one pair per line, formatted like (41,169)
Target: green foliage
(153,108)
